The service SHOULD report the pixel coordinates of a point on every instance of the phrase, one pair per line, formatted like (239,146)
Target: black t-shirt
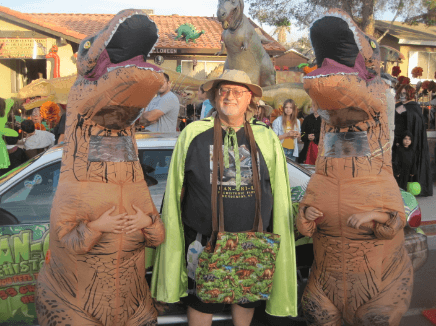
(239,206)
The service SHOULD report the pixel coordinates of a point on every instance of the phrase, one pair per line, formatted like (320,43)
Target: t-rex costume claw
(363,276)
(93,278)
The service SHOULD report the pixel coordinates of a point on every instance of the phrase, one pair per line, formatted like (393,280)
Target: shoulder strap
(218,224)
(258,223)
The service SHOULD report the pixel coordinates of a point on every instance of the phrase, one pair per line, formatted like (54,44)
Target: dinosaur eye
(373,45)
(87,45)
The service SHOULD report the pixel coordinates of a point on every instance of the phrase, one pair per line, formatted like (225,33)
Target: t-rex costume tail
(363,276)
(93,278)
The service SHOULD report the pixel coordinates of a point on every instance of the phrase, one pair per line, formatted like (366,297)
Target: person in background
(37,119)
(205,106)
(287,127)
(263,112)
(408,116)
(310,130)
(162,112)
(36,141)
(59,130)
(17,155)
(404,165)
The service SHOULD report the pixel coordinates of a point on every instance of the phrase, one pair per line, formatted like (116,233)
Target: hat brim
(268,109)
(211,84)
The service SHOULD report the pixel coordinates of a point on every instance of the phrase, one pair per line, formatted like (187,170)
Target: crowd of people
(34,138)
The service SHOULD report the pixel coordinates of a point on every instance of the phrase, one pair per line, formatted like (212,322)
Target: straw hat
(268,108)
(238,77)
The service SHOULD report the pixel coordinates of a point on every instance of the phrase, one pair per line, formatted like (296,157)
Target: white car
(26,195)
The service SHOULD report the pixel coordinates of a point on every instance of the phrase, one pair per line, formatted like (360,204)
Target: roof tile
(89,24)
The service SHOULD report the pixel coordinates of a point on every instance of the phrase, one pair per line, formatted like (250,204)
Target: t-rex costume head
(94,278)
(363,276)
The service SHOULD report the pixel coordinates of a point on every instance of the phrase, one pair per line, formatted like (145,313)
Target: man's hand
(138,221)
(108,223)
(312,214)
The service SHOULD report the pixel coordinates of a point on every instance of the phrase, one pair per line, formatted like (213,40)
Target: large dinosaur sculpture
(90,277)
(42,90)
(361,273)
(243,44)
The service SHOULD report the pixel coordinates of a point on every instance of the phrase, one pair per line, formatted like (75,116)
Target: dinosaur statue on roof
(188,32)
(243,44)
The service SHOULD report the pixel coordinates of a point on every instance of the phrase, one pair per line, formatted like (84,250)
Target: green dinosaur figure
(4,155)
(189,32)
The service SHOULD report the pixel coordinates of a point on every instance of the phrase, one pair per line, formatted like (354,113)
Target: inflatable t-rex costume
(94,278)
(363,276)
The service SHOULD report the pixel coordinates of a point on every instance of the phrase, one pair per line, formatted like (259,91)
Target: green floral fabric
(239,270)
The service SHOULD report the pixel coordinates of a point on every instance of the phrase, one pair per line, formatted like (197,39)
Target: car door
(24,238)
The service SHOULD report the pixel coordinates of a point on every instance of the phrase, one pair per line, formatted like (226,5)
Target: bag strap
(258,223)
(217,135)
(218,225)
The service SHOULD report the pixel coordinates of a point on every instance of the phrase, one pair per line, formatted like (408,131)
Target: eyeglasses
(236,93)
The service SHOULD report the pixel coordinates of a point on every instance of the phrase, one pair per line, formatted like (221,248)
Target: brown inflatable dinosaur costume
(353,207)
(92,277)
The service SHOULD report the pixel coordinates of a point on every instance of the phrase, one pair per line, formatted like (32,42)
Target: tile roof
(88,24)
(42,23)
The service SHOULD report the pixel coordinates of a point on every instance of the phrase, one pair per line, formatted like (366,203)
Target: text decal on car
(22,254)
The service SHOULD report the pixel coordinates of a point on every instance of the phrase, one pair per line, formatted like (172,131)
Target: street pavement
(428,206)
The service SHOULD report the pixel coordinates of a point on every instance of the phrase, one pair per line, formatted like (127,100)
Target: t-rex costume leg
(362,276)
(94,278)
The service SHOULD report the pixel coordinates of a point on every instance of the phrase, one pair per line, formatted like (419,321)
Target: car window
(159,160)
(30,200)
(5,177)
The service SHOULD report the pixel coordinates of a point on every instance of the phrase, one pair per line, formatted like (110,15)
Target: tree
(306,11)
(282,27)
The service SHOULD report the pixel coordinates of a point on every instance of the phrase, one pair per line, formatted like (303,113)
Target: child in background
(17,156)
(404,164)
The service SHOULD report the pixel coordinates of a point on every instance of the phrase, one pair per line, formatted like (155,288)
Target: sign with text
(22,254)
(166,51)
(26,48)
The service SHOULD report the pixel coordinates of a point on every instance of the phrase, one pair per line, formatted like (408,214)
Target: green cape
(170,279)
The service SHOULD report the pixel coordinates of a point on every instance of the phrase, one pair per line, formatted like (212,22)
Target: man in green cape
(187,205)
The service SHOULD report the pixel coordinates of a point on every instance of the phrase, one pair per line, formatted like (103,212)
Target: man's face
(228,103)
(164,88)
(201,95)
(36,119)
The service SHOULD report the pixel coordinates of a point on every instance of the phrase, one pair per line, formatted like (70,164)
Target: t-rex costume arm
(362,276)
(92,277)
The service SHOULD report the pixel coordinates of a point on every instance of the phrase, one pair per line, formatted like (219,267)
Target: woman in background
(287,127)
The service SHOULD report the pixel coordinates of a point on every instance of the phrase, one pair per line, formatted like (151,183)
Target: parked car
(26,195)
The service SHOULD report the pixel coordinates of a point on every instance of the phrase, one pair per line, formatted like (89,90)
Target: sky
(160,7)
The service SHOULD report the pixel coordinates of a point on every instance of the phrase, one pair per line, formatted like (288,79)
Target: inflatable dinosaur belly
(362,276)
(92,277)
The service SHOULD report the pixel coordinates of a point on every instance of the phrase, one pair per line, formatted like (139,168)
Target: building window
(201,70)
(425,60)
